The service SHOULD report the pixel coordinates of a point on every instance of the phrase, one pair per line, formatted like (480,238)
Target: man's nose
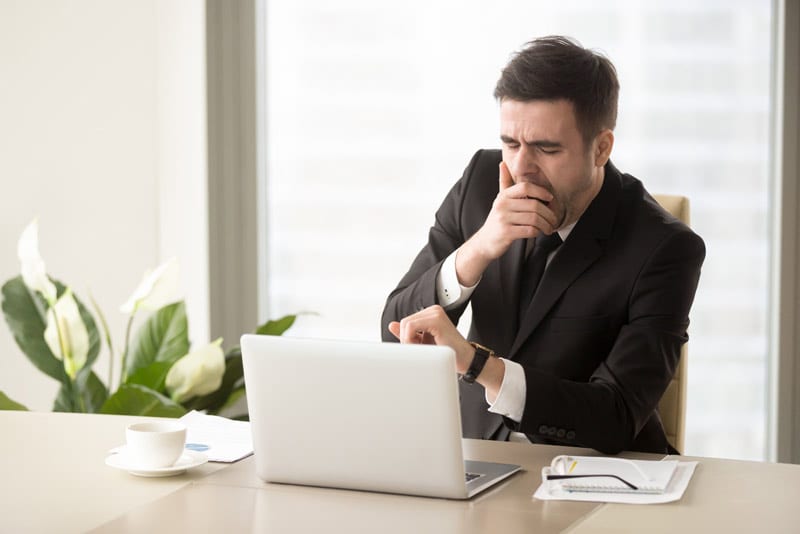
(524,163)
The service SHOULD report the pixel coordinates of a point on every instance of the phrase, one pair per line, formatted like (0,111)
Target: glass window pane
(373,110)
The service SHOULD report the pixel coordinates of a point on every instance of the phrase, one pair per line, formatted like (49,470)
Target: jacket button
(543,429)
(571,435)
(551,431)
(561,433)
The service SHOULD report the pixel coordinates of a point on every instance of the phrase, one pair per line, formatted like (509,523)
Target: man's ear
(603,144)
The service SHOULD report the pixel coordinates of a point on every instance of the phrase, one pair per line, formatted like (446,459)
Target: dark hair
(555,68)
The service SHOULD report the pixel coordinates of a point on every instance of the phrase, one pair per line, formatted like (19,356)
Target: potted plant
(160,374)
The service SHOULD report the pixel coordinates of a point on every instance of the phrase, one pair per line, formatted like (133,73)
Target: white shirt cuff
(510,401)
(451,294)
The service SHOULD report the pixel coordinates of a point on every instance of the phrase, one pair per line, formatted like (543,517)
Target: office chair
(672,406)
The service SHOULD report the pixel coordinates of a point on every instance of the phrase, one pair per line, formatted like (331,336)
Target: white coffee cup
(155,445)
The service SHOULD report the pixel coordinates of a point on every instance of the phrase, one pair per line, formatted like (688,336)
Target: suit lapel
(572,260)
(582,248)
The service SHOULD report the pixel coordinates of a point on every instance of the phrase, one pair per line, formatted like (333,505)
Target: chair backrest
(672,406)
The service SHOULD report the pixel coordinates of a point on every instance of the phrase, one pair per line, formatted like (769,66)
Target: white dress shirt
(510,401)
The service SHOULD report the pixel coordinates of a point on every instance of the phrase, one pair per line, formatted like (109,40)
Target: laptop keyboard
(471,476)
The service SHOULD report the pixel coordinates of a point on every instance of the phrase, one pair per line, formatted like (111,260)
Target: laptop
(368,416)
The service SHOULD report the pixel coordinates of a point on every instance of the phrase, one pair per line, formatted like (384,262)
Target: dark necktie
(533,269)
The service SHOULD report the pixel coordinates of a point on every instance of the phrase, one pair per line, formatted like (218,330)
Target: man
(583,356)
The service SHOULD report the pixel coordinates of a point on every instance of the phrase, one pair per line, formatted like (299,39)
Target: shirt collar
(564,232)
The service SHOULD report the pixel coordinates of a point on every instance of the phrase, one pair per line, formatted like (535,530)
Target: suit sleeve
(609,411)
(417,289)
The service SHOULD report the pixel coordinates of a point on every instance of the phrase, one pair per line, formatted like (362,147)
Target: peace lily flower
(198,373)
(33,269)
(157,288)
(66,334)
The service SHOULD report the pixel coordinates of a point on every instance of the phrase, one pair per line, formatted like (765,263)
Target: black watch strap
(482,355)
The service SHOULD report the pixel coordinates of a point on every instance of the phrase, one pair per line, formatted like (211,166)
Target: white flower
(66,334)
(33,270)
(157,288)
(198,373)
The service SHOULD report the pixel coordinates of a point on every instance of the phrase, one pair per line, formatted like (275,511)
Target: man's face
(543,145)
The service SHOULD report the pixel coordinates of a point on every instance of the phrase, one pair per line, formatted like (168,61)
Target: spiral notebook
(609,475)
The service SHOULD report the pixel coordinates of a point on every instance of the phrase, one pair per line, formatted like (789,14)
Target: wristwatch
(482,354)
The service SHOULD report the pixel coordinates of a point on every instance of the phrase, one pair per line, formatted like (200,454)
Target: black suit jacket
(602,338)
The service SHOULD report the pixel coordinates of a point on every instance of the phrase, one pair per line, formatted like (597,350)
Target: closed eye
(509,142)
(549,151)
(546,147)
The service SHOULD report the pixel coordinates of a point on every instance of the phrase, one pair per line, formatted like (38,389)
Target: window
(374,110)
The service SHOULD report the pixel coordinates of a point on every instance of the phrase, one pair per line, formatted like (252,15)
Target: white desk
(54,477)
(54,480)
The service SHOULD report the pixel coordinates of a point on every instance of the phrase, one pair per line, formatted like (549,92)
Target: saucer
(188,460)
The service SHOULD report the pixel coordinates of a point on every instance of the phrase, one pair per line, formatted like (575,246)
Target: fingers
(415,326)
(527,212)
(514,215)
(433,326)
(533,221)
(394,328)
(429,326)
(505,177)
(529,191)
(417,337)
(523,189)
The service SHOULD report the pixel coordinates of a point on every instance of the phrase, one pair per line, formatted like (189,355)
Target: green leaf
(164,337)
(233,398)
(86,395)
(134,399)
(153,376)
(8,404)
(65,400)
(23,313)
(276,327)
(93,391)
(232,378)
(68,399)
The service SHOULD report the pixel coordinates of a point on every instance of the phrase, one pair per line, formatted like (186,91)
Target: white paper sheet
(221,439)
(678,485)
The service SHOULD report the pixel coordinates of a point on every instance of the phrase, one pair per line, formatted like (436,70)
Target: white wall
(101,137)
(182,160)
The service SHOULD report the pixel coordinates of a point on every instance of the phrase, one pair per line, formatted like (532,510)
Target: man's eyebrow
(545,143)
(541,143)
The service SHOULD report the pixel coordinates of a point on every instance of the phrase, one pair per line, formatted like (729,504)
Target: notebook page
(674,492)
(657,475)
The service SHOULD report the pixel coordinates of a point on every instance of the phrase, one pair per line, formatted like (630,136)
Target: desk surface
(55,479)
